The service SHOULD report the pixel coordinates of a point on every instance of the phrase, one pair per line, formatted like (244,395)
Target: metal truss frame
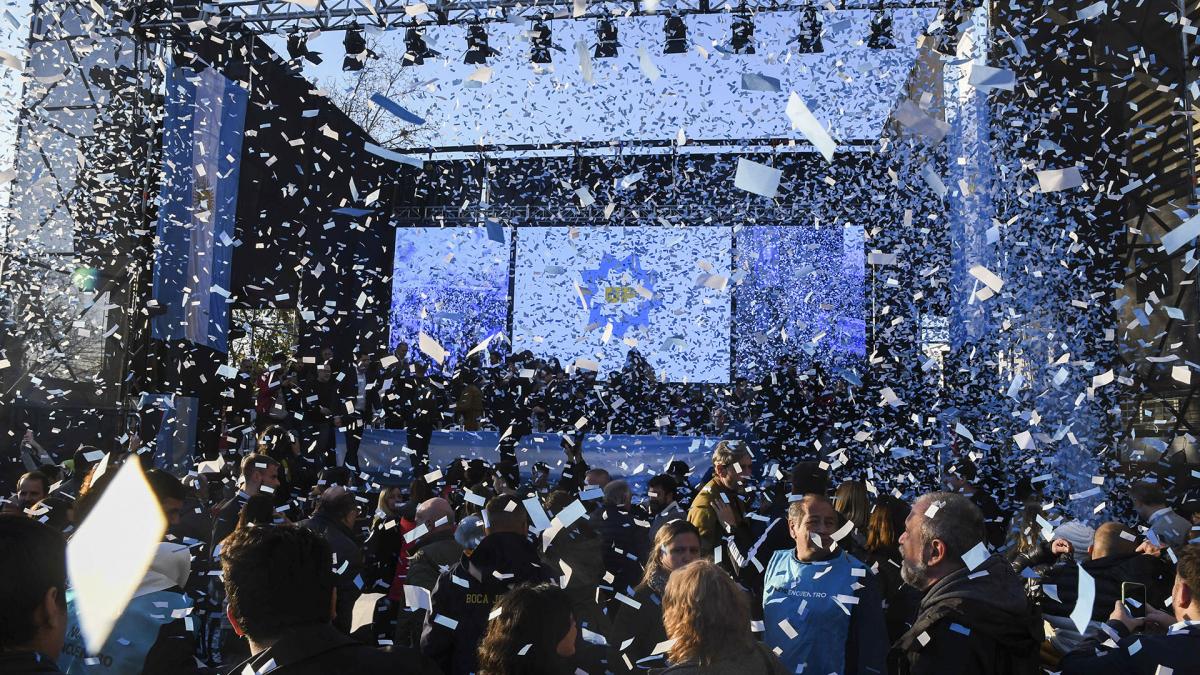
(273,16)
(647,214)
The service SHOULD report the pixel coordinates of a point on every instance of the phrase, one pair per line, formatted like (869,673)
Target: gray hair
(617,493)
(957,522)
(729,452)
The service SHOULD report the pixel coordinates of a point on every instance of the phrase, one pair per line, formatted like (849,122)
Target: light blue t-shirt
(131,639)
(816,600)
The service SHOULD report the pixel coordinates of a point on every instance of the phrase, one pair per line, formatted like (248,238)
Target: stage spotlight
(539,42)
(808,34)
(881,32)
(478,50)
(675,32)
(415,49)
(297,48)
(741,39)
(606,39)
(357,53)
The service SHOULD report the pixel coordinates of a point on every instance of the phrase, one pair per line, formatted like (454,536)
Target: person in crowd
(433,551)
(257,472)
(1168,527)
(424,416)
(151,635)
(32,487)
(33,585)
(707,619)
(579,548)
(1189,507)
(465,594)
(1113,559)
(469,405)
(1159,643)
(281,588)
(974,617)
(662,494)
(638,626)
(384,541)
(962,478)
(882,550)
(258,510)
(596,478)
(532,632)
(625,535)
(816,584)
(850,500)
(334,520)
(366,380)
(719,510)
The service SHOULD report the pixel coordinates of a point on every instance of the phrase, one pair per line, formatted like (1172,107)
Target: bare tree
(385,74)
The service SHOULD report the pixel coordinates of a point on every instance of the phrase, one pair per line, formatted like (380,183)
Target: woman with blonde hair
(707,617)
(636,632)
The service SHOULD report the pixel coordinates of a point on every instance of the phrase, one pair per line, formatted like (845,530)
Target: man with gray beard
(974,618)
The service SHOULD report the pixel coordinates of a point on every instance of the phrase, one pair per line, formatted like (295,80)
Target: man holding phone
(1157,643)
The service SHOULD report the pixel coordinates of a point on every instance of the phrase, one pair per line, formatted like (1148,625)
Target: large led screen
(588,295)
(451,283)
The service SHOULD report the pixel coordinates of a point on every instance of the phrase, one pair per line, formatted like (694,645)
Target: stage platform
(636,458)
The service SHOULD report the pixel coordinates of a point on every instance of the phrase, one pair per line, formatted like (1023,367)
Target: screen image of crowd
(282,556)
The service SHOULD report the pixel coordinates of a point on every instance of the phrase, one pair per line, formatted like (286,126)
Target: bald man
(1114,559)
(435,550)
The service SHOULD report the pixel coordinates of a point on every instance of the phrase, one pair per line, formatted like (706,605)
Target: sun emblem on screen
(620,292)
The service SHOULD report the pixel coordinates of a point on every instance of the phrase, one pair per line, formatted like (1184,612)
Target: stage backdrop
(700,303)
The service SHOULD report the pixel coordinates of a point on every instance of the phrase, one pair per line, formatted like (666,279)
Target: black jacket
(26,663)
(319,649)
(626,543)
(1108,572)
(465,594)
(348,562)
(226,519)
(1177,653)
(974,626)
(642,628)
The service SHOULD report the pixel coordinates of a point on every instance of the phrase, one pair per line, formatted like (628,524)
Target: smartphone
(1133,596)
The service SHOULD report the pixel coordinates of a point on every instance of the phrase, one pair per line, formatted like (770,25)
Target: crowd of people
(471,569)
(519,394)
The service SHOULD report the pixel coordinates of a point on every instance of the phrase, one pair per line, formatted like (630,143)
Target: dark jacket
(382,553)
(226,519)
(756,661)
(1109,572)
(22,663)
(465,594)
(900,600)
(643,627)
(626,542)
(1177,653)
(348,562)
(974,626)
(429,556)
(319,649)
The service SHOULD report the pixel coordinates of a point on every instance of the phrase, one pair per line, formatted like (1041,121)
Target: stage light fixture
(539,42)
(741,40)
(357,53)
(881,31)
(478,50)
(808,34)
(415,49)
(675,33)
(297,48)
(606,39)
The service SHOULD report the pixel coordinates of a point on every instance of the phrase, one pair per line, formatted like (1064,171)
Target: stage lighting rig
(741,39)
(808,33)
(297,48)
(357,53)
(606,39)
(415,49)
(478,50)
(881,30)
(675,34)
(539,41)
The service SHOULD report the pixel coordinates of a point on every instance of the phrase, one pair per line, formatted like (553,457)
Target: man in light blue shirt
(822,608)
